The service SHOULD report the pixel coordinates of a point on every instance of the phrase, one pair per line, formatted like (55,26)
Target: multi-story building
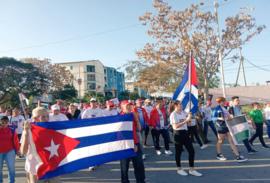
(93,76)
(114,81)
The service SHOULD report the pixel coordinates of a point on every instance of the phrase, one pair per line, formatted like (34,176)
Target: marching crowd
(156,118)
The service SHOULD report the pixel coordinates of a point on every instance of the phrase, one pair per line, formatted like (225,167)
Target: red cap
(125,102)
(110,103)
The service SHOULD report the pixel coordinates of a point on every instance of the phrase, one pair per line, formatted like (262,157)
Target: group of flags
(65,147)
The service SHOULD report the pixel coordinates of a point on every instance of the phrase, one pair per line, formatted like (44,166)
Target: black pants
(192,132)
(165,134)
(146,132)
(138,165)
(212,126)
(259,133)
(181,138)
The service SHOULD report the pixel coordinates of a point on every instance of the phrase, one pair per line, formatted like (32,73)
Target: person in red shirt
(136,160)
(159,125)
(9,147)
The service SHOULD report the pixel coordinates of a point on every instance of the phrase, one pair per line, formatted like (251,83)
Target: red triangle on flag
(52,147)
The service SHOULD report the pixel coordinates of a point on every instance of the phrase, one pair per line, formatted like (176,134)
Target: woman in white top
(179,120)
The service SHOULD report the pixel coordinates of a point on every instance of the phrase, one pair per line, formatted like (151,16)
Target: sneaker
(252,151)
(182,172)
(241,159)
(92,168)
(168,152)
(221,157)
(194,173)
(158,152)
(143,156)
(204,146)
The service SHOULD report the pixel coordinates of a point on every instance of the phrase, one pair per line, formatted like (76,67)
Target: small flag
(23,98)
(239,129)
(65,147)
(187,91)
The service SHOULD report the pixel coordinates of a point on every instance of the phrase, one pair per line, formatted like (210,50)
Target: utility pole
(241,64)
(219,51)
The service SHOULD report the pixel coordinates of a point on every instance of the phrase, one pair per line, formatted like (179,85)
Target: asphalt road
(162,169)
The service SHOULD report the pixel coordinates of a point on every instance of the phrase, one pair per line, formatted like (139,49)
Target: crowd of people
(155,118)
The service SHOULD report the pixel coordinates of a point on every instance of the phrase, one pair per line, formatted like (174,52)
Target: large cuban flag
(65,147)
(187,91)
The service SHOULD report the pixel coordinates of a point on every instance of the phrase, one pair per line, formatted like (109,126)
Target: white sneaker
(204,146)
(194,173)
(158,152)
(92,168)
(168,152)
(182,172)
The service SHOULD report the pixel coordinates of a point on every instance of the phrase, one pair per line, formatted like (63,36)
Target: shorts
(222,129)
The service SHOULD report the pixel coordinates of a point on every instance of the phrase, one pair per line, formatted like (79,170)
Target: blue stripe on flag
(104,138)
(89,162)
(61,125)
(181,86)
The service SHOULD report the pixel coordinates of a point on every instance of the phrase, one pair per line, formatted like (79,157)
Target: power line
(70,39)
(258,67)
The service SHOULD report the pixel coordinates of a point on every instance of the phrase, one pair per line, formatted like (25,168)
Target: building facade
(114,82)
(93,76)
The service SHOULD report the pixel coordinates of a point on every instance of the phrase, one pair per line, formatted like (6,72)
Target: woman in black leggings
(179,120)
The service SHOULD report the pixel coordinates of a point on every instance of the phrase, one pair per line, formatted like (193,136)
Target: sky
(110,31)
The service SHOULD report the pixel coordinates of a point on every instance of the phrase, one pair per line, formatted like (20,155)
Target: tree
(58,75)
(19,77)
(67,93)
(176,34)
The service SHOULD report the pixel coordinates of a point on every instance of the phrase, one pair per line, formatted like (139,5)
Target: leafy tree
(178,32)
(58,75)
(19,77)
(67,93)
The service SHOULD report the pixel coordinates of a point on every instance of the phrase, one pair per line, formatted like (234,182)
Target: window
(91,77)
(105,78)
(90,68)
(105,71)
(91,86)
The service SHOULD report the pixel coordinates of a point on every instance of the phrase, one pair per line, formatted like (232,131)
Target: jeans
(259,133)
(9,158)
(212,126)
(165,134)
(138,167)
(268,127)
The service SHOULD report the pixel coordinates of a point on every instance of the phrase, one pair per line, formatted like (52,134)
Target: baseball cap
(55,107)
(126,102)
(93,99)
(110,103)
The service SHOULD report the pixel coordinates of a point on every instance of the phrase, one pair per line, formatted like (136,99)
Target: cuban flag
(68,146)
(187,91)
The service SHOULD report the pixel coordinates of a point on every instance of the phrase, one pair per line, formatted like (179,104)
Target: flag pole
(22,106)
(189,72)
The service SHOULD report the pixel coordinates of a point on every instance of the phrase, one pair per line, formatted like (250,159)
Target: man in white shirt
(110,109)
(266,113)
(93,111)
(17,121)
(56,115)
(207,120)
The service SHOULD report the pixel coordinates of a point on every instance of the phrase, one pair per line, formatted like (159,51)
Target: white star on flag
(53,149)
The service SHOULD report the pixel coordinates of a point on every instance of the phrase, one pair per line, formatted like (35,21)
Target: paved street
(161,169)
